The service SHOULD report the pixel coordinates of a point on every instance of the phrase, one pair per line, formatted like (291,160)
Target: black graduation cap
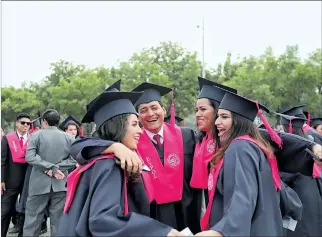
(70,118)
(37,122)
(177,119)
(110,104)
(291,120)
(151,92)
(296,111)
(241,105)
(115,87)
(212,90)
(249,110)
(316,121)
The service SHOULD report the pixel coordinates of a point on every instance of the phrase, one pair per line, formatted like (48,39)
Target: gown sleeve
(85,148)
(240,182)
(105,189)
(292,157)
(316,136)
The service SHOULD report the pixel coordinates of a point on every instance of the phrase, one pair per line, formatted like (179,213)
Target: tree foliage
(276,81)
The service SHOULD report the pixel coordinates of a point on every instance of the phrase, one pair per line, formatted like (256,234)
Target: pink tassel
(290,127)
(32,129)
(269,129)
(81,131)
(126,204)
(172,111)
(184,122)
(308,118)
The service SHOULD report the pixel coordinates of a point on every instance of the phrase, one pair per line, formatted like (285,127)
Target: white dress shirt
(151,135)
(24,137)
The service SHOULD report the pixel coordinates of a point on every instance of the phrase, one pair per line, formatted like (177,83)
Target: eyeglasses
(27,123)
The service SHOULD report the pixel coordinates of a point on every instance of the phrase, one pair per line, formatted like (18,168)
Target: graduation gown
(316,136)
(292,157)
(184,213)
(97,207)
(179,215)
(310,192)
(246,202)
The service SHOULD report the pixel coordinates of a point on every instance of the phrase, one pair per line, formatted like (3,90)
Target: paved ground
(46,234)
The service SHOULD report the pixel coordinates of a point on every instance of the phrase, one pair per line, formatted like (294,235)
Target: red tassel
(290,127)
(274,136)
(81,131)
(32,129)
(308,118)
(172,111)
(126,204)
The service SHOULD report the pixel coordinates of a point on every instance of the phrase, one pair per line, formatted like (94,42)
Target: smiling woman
(117,203)
(244,177)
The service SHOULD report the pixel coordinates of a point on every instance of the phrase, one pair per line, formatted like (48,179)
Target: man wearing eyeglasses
(13,168)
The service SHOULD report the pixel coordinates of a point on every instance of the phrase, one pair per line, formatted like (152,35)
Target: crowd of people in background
(144,174)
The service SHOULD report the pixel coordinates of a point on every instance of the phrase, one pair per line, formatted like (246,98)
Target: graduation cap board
(241,105)
(37,122)
(248,109)
(291,121)
(151,92)
(296,111)
(72,119)
(316,121)
(178,120)
(212,90)
(115,87)
(110,104)
(295,121)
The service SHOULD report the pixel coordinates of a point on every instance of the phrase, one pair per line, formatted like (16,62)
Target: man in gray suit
(49,154)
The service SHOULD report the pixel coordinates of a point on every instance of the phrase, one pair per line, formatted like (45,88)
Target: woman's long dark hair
(296,131)
(240,126)
(215,105)
(114,129)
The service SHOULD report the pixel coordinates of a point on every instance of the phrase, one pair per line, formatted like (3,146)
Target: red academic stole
(214,174)
(17,152)
(204,152)
(306,128)
(317,171)
(148,186)
(167,180)
(73,178)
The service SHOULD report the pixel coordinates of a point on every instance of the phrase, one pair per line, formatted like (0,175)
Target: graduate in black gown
(71,125)
(297,111)
(102,199)
(244,179)
(168,149)
(316,123)
(308,188)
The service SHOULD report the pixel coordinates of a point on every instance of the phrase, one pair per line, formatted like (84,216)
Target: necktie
(21,142)
(157,138)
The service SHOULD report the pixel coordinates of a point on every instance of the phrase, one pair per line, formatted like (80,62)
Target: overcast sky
(35,34)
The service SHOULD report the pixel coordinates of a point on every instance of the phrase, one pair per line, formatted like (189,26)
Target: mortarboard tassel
(269,129)
(172,111)
(32,129)
(81,131)
(290,127)
(308,118)
(184,122)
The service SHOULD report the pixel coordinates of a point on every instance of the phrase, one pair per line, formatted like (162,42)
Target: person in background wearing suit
(21,205)
(13,168)
(49,154)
